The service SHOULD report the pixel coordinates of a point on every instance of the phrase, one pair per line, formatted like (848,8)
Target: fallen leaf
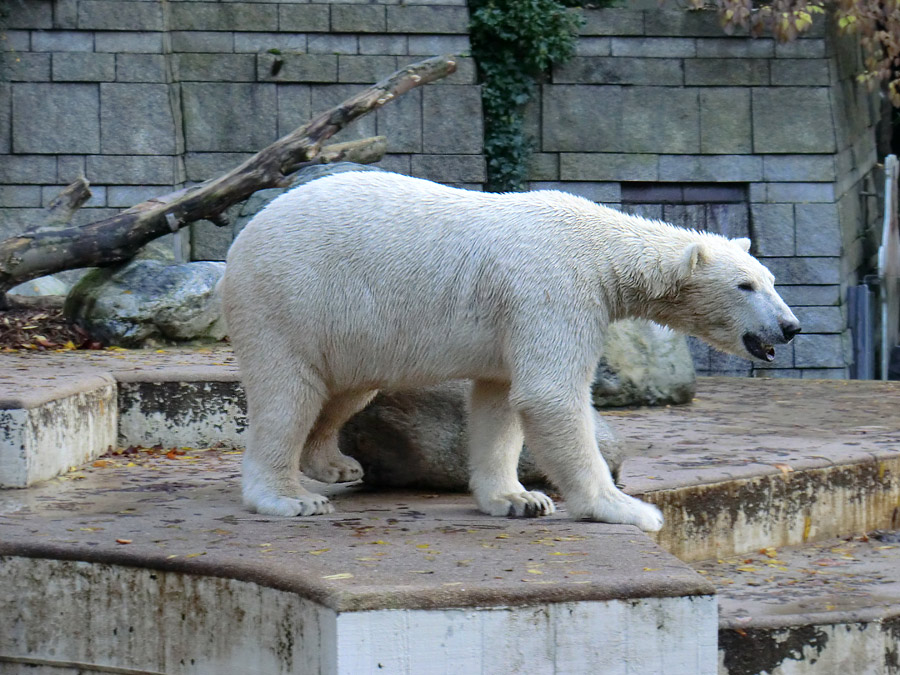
(340,575)
(317,551)
(194,555)
(123,541)
(783,468)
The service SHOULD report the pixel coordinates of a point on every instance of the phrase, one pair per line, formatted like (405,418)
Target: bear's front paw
(303,505)
(520,504)
(342,469)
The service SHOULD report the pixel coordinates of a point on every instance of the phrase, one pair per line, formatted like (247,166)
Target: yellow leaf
(340,575)
(783,468)
(379,543)
(807,526)
(746,568)
(649,569)
(318,551)
(535,572)
(169,557)
(422,545)
(194,555)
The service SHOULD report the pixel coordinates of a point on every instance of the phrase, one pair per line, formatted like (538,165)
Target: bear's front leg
(559,430)
(495,443)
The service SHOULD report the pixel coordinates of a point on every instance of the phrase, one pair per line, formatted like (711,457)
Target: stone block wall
(658,113)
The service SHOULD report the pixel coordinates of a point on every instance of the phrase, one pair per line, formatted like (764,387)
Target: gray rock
(148,301)
(643,364)
(419,439)
(48,285)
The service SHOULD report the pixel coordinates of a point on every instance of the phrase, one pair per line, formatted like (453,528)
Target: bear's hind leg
(321,458)
(281,413)
(495,443)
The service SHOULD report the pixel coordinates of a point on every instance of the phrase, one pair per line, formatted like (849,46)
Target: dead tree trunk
(36,253)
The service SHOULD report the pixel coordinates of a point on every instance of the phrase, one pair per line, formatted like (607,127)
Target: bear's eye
(746,286)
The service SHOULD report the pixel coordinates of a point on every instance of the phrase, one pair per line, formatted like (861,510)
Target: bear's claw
(341,469)
(529,504)
(305,505)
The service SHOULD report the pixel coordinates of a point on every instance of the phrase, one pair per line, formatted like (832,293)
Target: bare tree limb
(117,238)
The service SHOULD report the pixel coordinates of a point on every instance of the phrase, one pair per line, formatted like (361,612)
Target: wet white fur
(366,280)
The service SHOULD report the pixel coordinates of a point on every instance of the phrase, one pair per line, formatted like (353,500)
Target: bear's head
(727,298)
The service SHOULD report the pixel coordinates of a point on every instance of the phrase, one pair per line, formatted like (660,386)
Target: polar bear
(363,281)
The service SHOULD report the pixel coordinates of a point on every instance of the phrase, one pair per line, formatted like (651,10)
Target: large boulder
(419,439)
(148,302)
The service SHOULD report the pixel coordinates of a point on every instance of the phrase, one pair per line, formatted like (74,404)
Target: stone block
(543,166)
(465,69)
(681,22)
(324,97)
(434,45)
(83,67)
(449,168)
(821,319)
(799,296)
(802,49)
(297,67)
(24,169)
(29,15)
(726,72)
(131,169)
(660,120)
(269,42)
(576,166)
(818,230)
(401,122)
(209,242)
(5,118)
(722,363)
(20,41)
(69,168)
(735,48)
(302,18)
(800,72)
(215,67)
(710,168)
(365,69)
(451,120)
(55,118)
(383,44)
(198,41)
(652,193)
(229,116)
(773,229)
(62,41)
(800,192)
(652,211)
(805,271)
(126,196)
(699,353)
(603,193)
(396,164)
(25,67)
(225,16)
(20,196)
(332,44)
(427,19)
(571,123)
(136,119)
(294,107)
(688,216)
(729,220)
(612,21)
(819,351)
(621,70)
(799,168)
(129,43)
(358,18)
(792,120)
(669,47)
(140,68)
(65,14)
(593,46)
(824,374)
(200,166)
(118,15)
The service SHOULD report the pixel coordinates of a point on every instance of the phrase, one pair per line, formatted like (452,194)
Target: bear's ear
(744,243)
(692,256)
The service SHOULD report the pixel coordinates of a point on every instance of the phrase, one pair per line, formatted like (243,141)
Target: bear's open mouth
(758,348)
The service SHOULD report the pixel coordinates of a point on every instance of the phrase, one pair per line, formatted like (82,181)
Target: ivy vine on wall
(514,42)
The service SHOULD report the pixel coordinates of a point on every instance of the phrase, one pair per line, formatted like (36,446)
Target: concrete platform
(158,544)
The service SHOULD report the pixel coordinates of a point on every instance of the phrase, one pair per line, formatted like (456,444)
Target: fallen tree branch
(117,238)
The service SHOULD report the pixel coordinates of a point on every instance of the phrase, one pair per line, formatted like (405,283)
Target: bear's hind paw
(341,469)
(622,509)
(530,504)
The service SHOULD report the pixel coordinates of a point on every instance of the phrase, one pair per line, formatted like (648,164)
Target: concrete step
(820,609)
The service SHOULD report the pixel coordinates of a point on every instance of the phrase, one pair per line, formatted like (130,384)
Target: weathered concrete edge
(70,386)
(673,583)
(825,618)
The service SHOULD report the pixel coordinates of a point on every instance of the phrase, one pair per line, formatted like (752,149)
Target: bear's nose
(789,330)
